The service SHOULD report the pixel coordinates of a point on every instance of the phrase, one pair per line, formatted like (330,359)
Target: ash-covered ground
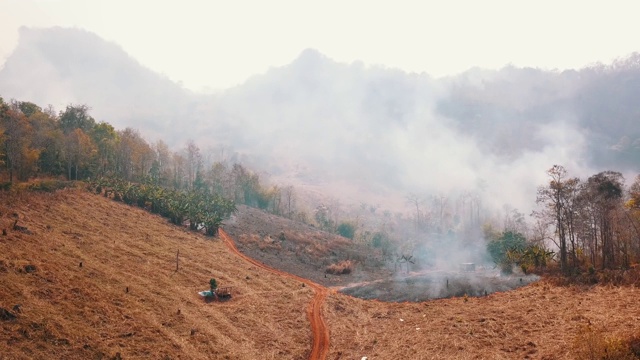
(431,285)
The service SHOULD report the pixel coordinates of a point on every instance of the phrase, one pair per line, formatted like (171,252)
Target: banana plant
(201,208)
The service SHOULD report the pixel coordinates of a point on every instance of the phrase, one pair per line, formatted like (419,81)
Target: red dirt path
(320,347)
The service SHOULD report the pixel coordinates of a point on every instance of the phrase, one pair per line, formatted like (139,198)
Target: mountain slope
(59,66)
(74,312)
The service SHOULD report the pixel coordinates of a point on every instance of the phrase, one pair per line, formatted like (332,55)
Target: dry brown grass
(265,243)
(539,321)
(593,343)
(343,267)
(74,312)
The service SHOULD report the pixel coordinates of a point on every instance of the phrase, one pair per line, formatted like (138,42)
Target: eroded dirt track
(320,346)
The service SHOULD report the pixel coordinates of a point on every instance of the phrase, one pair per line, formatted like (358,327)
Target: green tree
(193,163)
(221,180)
(323,218)
(161,167)
(29,108)
(76,117)
(247,187)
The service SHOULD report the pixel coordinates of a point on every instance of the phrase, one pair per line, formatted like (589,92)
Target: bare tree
(193,162)
(440,203)
(553,198)
(416,201)
(289,200)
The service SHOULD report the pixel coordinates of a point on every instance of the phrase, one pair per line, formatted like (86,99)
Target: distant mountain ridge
(60,66)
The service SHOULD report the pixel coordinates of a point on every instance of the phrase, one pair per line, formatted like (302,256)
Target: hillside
(74,312)
(78,312)
(302,249)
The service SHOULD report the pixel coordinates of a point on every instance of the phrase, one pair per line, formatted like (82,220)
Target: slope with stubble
(538,321)
(103,281)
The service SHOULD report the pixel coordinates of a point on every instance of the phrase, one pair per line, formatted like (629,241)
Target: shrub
(347,229)
(507,244)
(381,240)
(343,267)
(512,249)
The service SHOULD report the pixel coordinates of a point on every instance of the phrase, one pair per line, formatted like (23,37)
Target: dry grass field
(68,311)
(538,321)
(73,312)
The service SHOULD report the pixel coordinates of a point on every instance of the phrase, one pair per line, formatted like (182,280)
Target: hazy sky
(218,44)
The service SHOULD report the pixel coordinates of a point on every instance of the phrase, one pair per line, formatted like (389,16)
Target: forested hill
(60,66)
(352,121)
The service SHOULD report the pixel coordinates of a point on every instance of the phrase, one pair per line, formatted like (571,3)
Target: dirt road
(320,347)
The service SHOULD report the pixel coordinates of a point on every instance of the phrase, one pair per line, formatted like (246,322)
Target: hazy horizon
(207,46)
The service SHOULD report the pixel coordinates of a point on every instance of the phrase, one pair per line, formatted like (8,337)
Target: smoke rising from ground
(377,126)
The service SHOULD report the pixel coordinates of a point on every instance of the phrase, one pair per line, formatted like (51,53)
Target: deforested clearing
(93,278)
(73,311)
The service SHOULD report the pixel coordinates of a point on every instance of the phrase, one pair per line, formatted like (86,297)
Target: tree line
(38,142)
(595,222)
